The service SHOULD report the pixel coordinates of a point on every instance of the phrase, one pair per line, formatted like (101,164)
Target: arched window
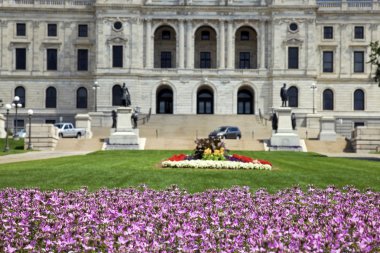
(82,98)
(205,102)
(51,98)
(293,97)
(165,101)
(20,92)
(359,100)
(245,102)
(117,94)
(328,100)
(165,47)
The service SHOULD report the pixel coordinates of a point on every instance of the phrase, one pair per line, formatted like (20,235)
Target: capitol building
(224,57)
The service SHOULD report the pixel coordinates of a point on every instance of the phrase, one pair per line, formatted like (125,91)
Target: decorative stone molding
(116,40)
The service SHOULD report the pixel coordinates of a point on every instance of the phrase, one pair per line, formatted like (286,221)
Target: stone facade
(192,56)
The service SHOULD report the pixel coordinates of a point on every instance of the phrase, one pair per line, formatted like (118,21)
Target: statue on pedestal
(126,97)
(284,95)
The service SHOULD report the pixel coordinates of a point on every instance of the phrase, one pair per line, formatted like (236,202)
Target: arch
(328,99)
(246,48)
(117,94)
(205,53)
(164,100)
(293,96)
(82,98)
(359,100)
(205,100)
(165,47)
(20,92)
(245,101)
(51,97)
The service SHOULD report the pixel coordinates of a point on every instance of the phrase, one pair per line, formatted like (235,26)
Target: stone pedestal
(43,136)
(313,121)
(285,138)
(84,121)
(2,126)
(124,136)
(327,129)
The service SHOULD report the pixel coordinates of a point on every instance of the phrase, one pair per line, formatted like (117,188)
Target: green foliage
(207,143)
(375,59)
(15,146)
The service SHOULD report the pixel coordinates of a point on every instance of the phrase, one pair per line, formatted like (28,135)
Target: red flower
(177,158)
(242,158)
(265,162)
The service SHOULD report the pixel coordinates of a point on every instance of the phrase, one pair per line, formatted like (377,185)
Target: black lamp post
(95,87)
(30,113)
(313,87)
(6,147)
(16,105)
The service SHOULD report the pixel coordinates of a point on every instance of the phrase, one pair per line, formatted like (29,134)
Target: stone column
(181,58)
(189,45)
(148,45)
(230,46)
(222,39)
(2,126)
(262,45)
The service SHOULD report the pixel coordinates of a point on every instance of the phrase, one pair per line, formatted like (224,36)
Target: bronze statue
(293,118)
(274,121)
(284,95)
(126,97)
(114,118)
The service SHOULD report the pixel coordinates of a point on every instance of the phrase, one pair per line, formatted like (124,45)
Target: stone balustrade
(49,3)
(349,4)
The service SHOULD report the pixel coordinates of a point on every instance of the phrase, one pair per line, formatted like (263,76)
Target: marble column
(148,45)
(262,45)
(230,46)
(222,47)
(189,45)
(181,42)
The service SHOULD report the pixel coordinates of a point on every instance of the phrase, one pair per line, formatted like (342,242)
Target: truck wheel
(60,135)
(78,135)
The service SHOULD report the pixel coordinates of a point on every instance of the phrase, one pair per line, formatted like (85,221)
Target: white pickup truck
(68,130)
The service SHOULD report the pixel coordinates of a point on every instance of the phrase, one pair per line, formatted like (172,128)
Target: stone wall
(366,139)
(43,136)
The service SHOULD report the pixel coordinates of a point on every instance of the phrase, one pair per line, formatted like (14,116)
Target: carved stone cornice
(116,40)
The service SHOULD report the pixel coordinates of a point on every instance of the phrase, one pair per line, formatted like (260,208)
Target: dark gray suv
(226,132)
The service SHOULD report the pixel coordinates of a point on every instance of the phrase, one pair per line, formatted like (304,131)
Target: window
(245,60)
(117,93)
(166,59)
(20,29)
(328,61)
(205,35)
(293,27)
(82,30)
(205,102)
(20,58)
(82,98)
(20,92)
(51,56)
(165,101)
(117,25)
(244,35)
(205,60)
(245,102)
(293,97)
(165,35)
(359,32)
(51,98)
(117,56)
(293,57)
(358,61)
(359,100)
(328,32)
(328,100)
(52,30)
(82,56)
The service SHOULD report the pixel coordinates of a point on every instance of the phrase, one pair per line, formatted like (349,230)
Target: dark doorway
(165,101)
(205,102)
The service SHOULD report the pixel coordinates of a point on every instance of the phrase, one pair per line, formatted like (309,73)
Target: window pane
(205,35)
(328,32)
(51,59)
(358,62)
(82,59)
(21,29)
(20,92)
(244,35)
(328,100)
(166,59)
(359,32)
(244,62)
(293,57)
(328,61)
(82,98)
(358,100)
(205,60)
(21,58)
(117,59)
(52,30)
(293,97)
(51,98)
(82,30)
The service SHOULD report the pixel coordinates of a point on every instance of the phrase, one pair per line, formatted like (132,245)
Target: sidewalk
(38,155)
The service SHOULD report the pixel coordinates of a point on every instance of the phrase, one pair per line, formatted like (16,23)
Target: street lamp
(16,105)
(30,113)
(95,87)
(6,147)
(313,87)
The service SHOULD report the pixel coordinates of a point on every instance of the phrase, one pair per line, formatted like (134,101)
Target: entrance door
(205,102)
(245,102)
(165,102)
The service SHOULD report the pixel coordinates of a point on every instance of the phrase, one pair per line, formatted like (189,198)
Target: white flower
(209,164)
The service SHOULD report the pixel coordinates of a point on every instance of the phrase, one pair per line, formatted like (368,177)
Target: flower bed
(233,220)
(211,154)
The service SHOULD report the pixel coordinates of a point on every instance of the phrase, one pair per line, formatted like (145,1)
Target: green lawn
(131,168)
(15,146)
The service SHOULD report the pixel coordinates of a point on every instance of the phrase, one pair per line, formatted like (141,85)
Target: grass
(15,146)
(115,169)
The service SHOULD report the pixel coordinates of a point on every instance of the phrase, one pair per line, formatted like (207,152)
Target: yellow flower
(216,152)
(207,151)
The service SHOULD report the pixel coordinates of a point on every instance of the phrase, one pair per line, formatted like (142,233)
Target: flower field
(231,220)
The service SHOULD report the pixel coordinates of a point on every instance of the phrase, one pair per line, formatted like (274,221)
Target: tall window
(359,100)
(359,32)
(82,61)
(20,92)
(20,29)
(82,30)
(82,98)
(166,59)
(244,60)
(205,62)
(328,100)
(205,35)
(117,56)
(328,61)
(328,32)
(52,30)
(117,93)
(51,57)
(165,35)
(293,57)
(293,97)
(21,58)
(358,61)
(51,98)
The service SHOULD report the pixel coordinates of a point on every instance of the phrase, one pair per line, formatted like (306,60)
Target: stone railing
(47,3)
(349,4)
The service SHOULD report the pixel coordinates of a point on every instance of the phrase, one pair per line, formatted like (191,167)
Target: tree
(375,59)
